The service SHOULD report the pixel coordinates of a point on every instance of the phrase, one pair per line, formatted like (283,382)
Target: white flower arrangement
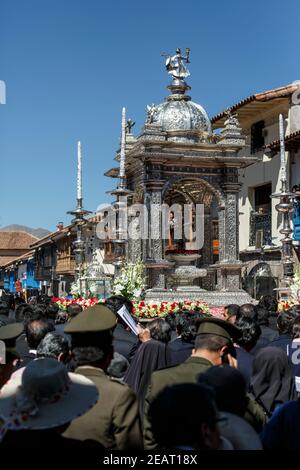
(295,284)
(131,281)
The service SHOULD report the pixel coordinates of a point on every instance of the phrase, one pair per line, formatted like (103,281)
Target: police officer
(114,420)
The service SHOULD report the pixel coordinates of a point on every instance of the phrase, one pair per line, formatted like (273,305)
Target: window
(262,199)
(257,136)
(260,216)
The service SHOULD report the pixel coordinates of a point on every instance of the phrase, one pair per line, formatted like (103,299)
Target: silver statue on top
(175,64)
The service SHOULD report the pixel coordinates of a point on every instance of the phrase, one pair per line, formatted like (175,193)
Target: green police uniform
(187,372)
(114,420)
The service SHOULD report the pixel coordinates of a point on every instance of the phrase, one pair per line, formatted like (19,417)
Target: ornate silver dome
(182,115)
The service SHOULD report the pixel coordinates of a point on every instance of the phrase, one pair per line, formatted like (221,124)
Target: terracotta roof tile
(16,240)
(6,259)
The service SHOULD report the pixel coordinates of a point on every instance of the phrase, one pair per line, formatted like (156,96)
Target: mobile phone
(229,350)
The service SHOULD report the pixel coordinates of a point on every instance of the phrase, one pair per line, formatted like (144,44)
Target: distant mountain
(36,232)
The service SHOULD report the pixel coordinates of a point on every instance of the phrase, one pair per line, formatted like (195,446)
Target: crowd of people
(82,380)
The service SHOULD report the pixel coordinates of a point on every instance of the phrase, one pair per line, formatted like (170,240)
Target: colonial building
(259,237)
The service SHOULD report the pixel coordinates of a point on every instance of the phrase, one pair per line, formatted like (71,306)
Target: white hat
(45,396)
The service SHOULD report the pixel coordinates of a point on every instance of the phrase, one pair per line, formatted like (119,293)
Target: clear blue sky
(70,66)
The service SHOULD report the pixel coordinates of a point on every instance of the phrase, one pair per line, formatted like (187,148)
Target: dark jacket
(187,372)
(283,341)
(180,351)
(125,342)
(245,361)
(282,432)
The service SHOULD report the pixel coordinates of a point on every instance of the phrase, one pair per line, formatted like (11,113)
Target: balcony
(260,229)
(65,264)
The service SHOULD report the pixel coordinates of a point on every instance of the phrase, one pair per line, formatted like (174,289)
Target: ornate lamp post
(79,221)
(121,193)
(285,207)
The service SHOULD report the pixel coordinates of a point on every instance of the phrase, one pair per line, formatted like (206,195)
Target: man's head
(247,310)
(160,330)
(115,303)
(94,349)
(212,347)
(92,335)
(250,332)
(269,302)
(263,316)
(214,340)
(36,330)
(192,425)
(55,346)
(52,310)
(185,327)
(44,299)
(296,328)
(73,310)
(230,312)
(285,322)
(22,312)
(229,386)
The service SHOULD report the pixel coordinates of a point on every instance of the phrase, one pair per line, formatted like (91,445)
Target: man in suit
(114,420)
(35,330)
(182,347)
(124,341)
(213,346)
(285,321)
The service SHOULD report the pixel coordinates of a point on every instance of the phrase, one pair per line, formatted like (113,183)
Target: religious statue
(175,64)
(129,125)
(231,119)
(151,111)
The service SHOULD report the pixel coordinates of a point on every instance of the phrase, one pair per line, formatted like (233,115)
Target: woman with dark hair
(273,382)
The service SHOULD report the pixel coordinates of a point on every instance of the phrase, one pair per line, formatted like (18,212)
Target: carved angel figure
(151,111)
(231,119)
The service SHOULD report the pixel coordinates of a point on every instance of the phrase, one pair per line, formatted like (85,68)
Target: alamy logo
(2,92)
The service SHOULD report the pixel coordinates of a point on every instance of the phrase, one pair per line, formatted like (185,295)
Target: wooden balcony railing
(65,265)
